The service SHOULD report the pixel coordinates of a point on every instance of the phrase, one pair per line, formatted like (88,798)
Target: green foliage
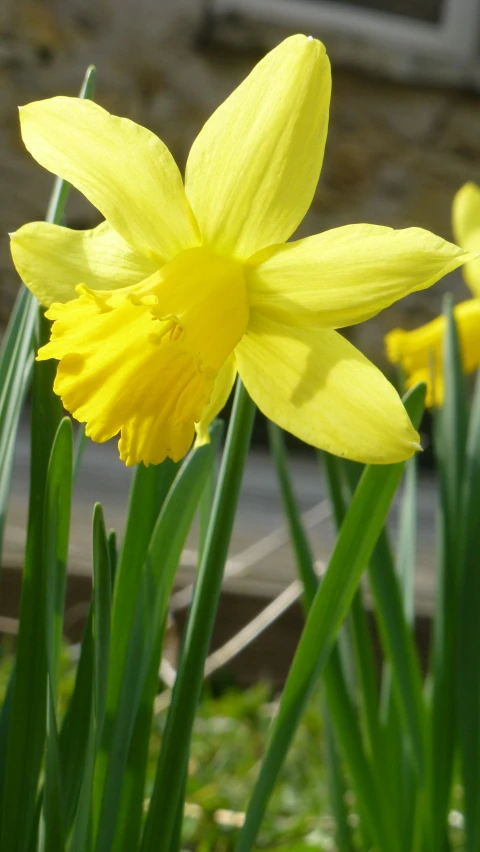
(229,734)
(400,741)
(168,792)
(356,541)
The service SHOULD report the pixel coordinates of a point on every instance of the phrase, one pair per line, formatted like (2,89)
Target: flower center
(199,300)
(144,359)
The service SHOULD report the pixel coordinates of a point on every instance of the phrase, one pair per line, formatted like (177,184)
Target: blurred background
(404,136)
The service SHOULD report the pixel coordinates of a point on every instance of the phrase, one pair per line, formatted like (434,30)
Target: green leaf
(28,716)
(150,487)
(112,553)
(143,648)
(343,832)
(16,360)
(451,424)
(87,709)
(81,441)
(102,585)
(80,840)
(27,729)
(4,726)
(131,808)
(338,503)
(303,553)
(206,500)
(361,639)
(371,797)
(56,532)
(52,831)
(13,338)
(172,764)
(55,541)
(399,756)
(407,540)
(404,757)
(398,643)
(77,731)
(356,541)
(469,632)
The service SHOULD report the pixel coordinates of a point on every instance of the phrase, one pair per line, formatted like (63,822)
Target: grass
(229,739)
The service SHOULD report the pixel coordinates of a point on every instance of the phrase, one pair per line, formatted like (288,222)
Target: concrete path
(261,563)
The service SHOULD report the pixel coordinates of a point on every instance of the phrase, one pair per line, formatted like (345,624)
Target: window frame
(455,38)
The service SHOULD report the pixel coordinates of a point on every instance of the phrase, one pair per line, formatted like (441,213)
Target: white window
(432,39)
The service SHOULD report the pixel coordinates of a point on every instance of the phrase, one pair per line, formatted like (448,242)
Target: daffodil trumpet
(420,352)
(185,284)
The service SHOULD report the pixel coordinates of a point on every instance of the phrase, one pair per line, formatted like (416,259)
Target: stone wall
(396,153)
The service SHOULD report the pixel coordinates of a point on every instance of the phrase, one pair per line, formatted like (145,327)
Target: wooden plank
(260,565)
(259,538)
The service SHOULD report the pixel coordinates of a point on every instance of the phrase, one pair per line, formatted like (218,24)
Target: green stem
(169,782)
(357,538)
(297,533)
(208,495)
(340,708)
(27,724)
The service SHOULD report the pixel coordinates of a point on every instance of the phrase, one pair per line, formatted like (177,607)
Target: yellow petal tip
(316,42)
(202,439)
(417,447)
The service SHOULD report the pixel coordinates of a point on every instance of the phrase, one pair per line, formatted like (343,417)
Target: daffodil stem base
(169,783)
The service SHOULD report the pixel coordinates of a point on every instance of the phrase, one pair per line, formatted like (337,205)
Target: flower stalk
(169,783)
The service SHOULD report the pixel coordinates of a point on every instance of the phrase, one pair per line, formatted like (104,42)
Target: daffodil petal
(221,391)
(466,229)
(433,379)
(421,350)
(52,260)
(348,274)
(253,169)
(144,359)
(315,384)
(121,167)
(113,377)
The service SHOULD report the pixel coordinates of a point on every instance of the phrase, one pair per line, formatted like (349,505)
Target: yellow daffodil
(419,352)
(182,286)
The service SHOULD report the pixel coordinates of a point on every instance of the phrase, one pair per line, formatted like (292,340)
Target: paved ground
(260,558)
